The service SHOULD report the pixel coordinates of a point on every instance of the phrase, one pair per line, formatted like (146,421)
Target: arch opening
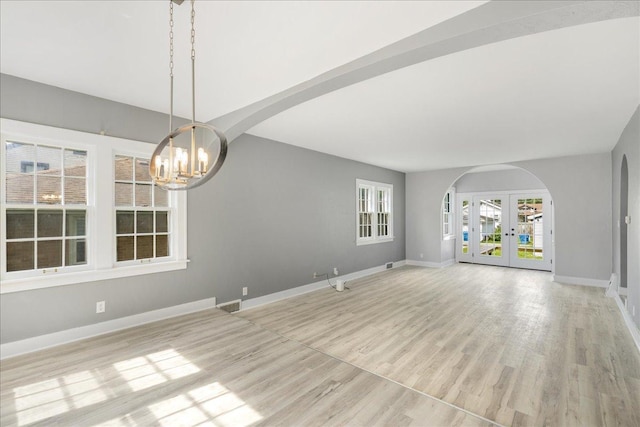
(504,217)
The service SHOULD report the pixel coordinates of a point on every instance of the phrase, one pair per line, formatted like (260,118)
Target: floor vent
(389,265)
(231,306)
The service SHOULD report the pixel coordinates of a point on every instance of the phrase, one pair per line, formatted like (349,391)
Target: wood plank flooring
(506,344)
(205,369)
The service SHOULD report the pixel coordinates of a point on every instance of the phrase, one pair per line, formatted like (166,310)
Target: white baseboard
(612,287)
(628,321)
(448,262)
(430,264)
(54,339)
(568,280)
(288,293)
(277,296)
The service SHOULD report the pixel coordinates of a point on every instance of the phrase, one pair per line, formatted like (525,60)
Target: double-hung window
(45,207)
(374,212)
(142,212)
(79,207)
(447,215)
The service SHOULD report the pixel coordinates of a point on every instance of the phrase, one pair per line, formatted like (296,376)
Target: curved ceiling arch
(411,86)
(489,23)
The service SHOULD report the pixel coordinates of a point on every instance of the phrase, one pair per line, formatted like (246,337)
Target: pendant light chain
(171,65)
(187,157)
(193,89)
(193,62)
(193,31)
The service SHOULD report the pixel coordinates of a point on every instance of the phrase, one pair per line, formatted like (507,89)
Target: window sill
(372,242)
(63,279)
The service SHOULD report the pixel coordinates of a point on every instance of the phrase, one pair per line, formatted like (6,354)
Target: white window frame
(450,215)
(171,225)
(100,208)
(373,187)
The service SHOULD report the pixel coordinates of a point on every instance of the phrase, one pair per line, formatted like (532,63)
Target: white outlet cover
(245,291)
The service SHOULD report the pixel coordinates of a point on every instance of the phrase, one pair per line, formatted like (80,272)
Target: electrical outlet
(335,271)
(633,310)
(245,291)
(315,275)
(100,307)
(421,255)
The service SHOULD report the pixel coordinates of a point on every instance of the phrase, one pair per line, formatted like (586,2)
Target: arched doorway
(624,212)
(504,217)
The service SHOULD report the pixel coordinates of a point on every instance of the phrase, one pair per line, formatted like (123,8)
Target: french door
(507,229)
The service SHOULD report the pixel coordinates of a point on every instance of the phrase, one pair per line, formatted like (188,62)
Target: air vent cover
(231,306)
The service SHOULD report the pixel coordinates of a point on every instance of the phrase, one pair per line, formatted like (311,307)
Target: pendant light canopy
(192,154)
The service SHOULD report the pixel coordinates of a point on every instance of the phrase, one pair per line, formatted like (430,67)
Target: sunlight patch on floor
(212,404)
(38,401)
(153,369)
(57,396)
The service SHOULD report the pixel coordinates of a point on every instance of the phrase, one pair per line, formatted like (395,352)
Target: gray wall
(581,190)
(33,102)
(501,180)
(274,215)
(629,146)
(580,187)
(425,191)
(277,213)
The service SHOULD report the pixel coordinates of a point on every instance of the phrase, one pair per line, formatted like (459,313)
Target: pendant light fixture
(191,154)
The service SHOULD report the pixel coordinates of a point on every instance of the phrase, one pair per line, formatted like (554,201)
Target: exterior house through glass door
(507,229)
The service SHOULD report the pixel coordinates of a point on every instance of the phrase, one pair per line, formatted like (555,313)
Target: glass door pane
(490,211)
(489,217)
(531,228)
(464,228)
(530,222)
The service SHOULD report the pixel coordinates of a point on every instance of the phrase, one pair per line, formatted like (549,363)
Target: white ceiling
(561,92)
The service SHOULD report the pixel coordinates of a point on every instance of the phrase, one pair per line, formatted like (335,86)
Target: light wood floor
(209,368)
(507,345)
